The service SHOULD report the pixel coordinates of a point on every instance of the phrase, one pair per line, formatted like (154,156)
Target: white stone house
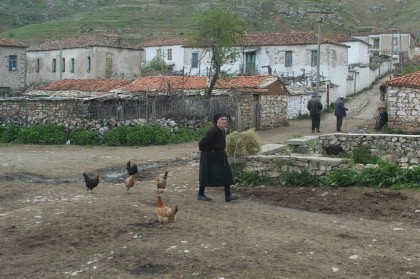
(403,100)
(389,41)
(12,67)
(170,50)
(93,57)
(292,56)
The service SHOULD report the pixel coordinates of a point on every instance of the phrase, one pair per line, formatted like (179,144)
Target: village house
(389,42)
(91,57)
(12,67)
(403,100)
(170,50)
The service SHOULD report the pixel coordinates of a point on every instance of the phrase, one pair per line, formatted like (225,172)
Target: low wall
(401,149)
(272,165)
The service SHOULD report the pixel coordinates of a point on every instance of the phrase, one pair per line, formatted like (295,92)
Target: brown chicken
(161,182)
(166,215)
(91,182)
(130,182)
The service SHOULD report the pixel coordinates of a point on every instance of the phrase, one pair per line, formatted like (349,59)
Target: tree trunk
(217,66)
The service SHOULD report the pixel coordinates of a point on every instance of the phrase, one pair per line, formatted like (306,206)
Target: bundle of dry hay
(245,143)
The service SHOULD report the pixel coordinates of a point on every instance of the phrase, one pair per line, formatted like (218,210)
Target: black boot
(201,196)
(228,196)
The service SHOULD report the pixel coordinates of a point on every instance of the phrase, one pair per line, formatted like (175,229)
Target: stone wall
(15,80)
(304,154)
(401,149)
(404,109)
(272,165)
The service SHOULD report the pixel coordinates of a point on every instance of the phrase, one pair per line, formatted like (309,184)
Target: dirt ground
(51,227)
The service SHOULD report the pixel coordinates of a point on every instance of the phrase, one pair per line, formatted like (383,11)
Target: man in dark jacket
(382,118)
(382,91)
(315,107)
(340,112)
(214,166)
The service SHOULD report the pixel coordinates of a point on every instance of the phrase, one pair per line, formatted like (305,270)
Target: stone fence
(401,149)
(306,153)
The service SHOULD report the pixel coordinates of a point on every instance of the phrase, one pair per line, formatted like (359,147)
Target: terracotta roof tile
(86,85)
(10,43)
(285,38)
(163,42)
(173,83)
(410,80)
(83,42)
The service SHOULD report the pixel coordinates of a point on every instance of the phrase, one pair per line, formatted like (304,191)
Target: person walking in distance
(315,107)
(340,112)
(382,91)
(214,166)
(382,118)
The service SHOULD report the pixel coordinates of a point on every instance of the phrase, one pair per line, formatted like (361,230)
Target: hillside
(34,21)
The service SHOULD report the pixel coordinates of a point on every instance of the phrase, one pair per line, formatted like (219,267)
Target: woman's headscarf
(219,115)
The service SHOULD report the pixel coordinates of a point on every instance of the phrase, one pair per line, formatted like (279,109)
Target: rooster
(161,182)
(166,215)
(130,182)
(132,168)
(91,182)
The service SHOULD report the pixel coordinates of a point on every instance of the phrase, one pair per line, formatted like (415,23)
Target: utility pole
(401,56)
(319,20)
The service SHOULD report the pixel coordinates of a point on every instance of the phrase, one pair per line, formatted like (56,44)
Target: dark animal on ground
(132,168)
(91,182)
(334,149)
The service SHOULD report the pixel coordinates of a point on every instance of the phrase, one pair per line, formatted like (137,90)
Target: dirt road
(51,227)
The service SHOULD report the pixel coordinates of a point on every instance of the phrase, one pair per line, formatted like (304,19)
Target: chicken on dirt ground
(161,182)
(132,168)
(130,182)
(165,214)
(91,182)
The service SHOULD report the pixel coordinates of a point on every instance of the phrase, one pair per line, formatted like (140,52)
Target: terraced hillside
(33,21)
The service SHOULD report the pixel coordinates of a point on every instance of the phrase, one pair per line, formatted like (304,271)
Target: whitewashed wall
(177,55)
(126,63)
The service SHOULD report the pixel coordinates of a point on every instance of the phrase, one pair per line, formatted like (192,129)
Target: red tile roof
(86,85)
(410,80)
(10,43)
(158,83)
(287,38)
(83,42)
(342,38)
(163,42)
(173,83)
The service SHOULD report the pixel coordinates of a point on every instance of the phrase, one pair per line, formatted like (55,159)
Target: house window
(314,58)
(250,59)
(169,54)
(288,58)
(89,64)
(12,62)
(37,65)
(54,65)
(63,65)
(194,63)
(72,65)
(395,41)
(158,52)
(376,43)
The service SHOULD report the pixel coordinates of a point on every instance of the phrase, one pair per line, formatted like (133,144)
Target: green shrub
(298,179)
(117,136)
(254,178)
(42,134)
(9,133)
(84,137)
(341,178)
(363,155)
(385,175)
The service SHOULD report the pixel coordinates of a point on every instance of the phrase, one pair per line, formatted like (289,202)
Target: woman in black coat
(215,170)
